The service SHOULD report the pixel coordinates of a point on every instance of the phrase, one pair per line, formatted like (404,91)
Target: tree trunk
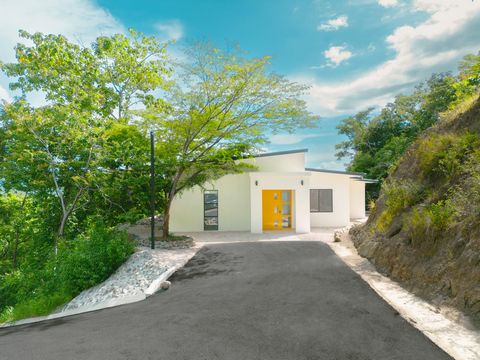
(166,218)
(170,196)
(60,232)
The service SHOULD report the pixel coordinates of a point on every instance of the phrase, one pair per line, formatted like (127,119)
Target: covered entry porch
(279,202)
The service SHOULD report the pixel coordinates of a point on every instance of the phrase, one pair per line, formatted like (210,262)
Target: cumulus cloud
(79,20)
(388,3)
(4,94)
(334,24)
(170,30)
(435,45)
(335,55)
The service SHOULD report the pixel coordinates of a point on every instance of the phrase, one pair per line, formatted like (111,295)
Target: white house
(280,194)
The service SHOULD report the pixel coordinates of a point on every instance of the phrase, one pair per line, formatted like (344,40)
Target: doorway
(277,209)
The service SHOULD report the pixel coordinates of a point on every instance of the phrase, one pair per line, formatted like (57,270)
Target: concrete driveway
(258,300)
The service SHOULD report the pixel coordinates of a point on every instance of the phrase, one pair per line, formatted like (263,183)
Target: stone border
(456,337)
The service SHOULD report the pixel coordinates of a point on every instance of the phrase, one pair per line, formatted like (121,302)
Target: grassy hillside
(425,228)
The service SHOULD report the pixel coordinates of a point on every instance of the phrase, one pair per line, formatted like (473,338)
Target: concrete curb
(455,338)
(157,283)
(152,289)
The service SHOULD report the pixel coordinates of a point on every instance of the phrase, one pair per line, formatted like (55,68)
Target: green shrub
(441,155)
(38,288)
(426,223)
(398,196)
(91,257)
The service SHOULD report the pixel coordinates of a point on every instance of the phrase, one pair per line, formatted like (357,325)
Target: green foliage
(91,257)
(441,155)
(376,142)
(56,152)
(221,111)
(38,288)
(37,306)
(398,196)
(425,224)
(469,78)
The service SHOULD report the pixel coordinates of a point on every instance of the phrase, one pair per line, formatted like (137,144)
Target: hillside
(424,231)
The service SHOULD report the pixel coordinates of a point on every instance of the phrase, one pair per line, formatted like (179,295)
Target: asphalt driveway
(263,300)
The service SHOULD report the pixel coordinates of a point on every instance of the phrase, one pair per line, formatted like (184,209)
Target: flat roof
(336,172)
(281,153)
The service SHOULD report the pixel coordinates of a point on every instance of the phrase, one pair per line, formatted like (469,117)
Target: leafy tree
(376,141)
(223,106)
(121,190)
(469,77)
(56,150)
(17,223)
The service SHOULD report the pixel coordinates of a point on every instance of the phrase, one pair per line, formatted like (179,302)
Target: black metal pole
(152,187)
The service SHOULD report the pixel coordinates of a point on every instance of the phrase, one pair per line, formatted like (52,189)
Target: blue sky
(353,53)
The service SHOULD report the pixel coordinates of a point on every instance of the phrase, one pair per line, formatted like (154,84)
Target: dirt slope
(425,229)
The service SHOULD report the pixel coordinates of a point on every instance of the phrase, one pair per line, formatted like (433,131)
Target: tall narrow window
(210,210)
(321,200)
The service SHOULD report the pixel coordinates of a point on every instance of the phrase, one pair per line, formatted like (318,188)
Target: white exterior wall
(283,181)
(340,185)
(357,199)
(240,199)
(283,163)
(233,205)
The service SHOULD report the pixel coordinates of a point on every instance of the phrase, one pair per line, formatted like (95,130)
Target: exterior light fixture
(256,182)
(301,182)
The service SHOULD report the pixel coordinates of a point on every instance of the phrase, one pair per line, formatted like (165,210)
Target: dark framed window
(321,200)
(210,210)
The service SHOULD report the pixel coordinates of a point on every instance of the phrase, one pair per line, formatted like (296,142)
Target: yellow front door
(277,209)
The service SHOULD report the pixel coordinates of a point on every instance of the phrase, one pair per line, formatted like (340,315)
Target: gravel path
(133,277)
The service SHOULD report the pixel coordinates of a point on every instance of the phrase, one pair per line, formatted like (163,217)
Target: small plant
(398,196)
(425,224)
(442,155)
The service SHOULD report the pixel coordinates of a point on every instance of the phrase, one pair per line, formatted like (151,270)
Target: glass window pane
(211,221)
(210,210)
(286,196)
(314,206)
(286,222)
(286,209)
(326,200)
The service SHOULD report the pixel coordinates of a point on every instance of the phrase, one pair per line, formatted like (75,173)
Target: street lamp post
(152,187)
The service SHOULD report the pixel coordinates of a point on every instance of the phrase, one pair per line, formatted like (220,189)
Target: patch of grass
(38,306)
(441,155)
(398,195)
(426,224)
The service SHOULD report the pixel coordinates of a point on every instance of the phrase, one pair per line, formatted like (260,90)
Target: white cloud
(388,3)
(334,24)
(170,30)
(4,94)
(435,45)
(290,139)
(79,20)
(336,55)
